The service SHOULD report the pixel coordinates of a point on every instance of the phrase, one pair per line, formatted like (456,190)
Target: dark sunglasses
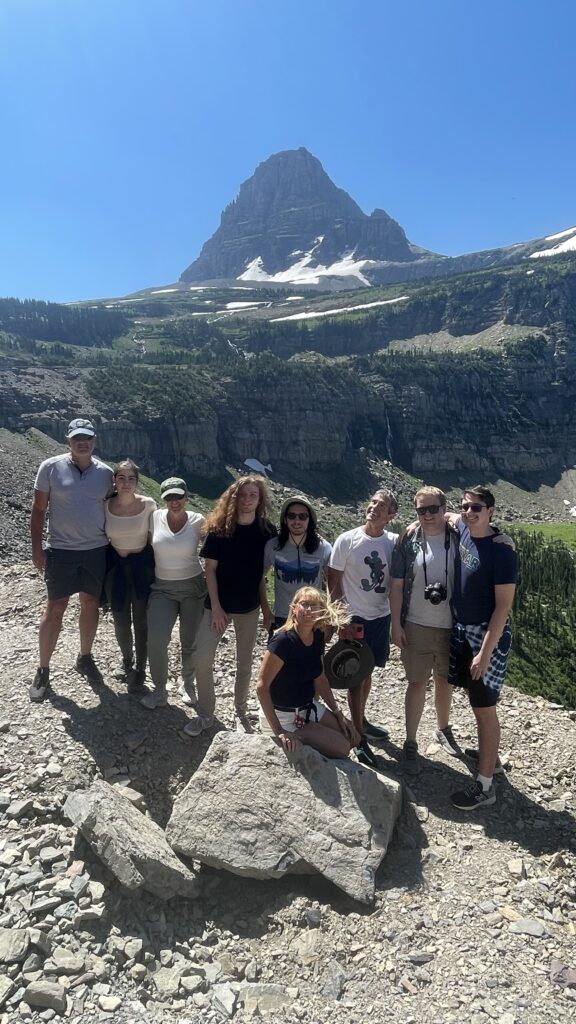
(432,509)
(472,506)
(174,497)
(297,515)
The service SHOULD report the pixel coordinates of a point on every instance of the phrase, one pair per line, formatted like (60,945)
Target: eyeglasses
(173,497)
(432,509)
(81,437)
(472,506)
(297,515)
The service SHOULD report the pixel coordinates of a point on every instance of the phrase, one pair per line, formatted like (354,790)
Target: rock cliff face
(288,209)
(507,415)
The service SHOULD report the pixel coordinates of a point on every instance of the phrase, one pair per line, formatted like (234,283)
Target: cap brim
(85,433)
(177,491)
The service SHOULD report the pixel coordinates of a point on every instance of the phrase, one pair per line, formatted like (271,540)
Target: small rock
(334,980)
(224,1000)
(19,809)
(109,1003)
(47,995)
(14,943)
(528,926)
(264,998)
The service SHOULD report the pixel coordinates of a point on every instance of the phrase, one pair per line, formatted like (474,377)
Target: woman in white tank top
(130,571)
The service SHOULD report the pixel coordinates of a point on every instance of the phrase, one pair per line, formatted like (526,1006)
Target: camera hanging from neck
(446,550)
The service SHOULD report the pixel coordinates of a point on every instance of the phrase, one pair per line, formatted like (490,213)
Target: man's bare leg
(50,626)
(488,740)
(414,701)
(357,702)
(442,700)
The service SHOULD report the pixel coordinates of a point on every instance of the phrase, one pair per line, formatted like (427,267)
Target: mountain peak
(290,222)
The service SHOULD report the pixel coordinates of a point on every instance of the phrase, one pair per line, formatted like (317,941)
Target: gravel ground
(471,912)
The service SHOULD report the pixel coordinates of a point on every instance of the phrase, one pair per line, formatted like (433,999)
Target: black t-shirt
(294,684)
(240,565)
(480,566)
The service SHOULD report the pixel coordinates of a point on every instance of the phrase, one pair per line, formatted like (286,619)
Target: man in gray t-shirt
(70,489)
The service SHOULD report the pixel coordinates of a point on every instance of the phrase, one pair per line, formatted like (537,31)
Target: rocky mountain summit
(290,224)
(473,919)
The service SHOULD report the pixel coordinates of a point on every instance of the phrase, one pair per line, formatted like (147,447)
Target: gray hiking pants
(171,600)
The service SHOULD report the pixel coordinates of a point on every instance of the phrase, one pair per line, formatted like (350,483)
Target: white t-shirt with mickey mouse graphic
(365,562)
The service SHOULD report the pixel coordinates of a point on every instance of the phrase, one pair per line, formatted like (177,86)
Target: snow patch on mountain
(568,245)
(304,272)
(343,309)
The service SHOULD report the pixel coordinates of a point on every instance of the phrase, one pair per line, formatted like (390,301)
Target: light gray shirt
(75,502)
(294,568)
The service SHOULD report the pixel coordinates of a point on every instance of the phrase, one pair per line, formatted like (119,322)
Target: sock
(485,781)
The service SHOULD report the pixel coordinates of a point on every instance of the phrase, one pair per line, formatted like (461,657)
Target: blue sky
(129,124)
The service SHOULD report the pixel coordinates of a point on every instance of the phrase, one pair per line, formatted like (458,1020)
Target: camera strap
(446,550)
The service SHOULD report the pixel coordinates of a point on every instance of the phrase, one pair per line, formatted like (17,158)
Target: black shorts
(74,572)
(377,637)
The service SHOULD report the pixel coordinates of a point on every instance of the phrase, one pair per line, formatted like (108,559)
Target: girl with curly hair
(236,534)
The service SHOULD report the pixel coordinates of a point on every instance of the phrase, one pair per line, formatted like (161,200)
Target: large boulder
(255,811)
(131,845)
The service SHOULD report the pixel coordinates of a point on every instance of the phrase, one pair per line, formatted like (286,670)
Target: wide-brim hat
(348,663)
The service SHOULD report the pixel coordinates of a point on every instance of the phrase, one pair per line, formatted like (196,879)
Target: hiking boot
(374,732)
(198,725)
(445,737)
(40,685)
(365,755)
(88,668)
(135,680)
(474,756)
(154,699)
(188,694)
(411,760)
(473,796)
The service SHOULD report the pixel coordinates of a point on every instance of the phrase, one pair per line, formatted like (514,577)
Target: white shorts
(291,721)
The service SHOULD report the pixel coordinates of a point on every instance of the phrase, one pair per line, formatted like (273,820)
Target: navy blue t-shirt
(480,566)
(294,684)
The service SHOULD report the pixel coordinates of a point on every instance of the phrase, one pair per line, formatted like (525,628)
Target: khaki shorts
(427,650)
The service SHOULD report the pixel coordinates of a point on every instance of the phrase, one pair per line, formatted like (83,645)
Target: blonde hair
(223,517)
(431,492)
(332,613)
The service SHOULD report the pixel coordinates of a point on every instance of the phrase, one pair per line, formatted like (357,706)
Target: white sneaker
(445,737)
(188,695)
(154,699)
(198,725)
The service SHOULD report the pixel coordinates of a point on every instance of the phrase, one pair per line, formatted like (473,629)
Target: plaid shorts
(465,644)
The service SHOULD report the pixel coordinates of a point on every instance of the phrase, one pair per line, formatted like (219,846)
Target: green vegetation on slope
(544,619)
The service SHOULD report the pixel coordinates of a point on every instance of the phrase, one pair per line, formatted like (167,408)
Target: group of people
(443,589)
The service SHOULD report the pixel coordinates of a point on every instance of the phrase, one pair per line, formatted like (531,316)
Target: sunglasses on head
(432,509)
(472,506)
(297,515)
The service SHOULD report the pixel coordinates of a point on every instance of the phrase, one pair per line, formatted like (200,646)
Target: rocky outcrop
(131,845)
(305,814)
(288,208)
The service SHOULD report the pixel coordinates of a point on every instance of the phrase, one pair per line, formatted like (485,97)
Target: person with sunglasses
(178,591)
(299,556)
(421,585)
(484,587)
(297,704)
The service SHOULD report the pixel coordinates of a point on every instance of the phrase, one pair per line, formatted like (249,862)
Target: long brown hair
(223,517)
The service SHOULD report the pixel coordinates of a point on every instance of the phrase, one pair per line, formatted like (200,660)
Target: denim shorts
(377,637)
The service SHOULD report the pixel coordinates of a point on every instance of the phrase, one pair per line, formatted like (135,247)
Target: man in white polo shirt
(70,489)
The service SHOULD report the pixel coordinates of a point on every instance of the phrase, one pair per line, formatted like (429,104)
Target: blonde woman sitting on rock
(291,680)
